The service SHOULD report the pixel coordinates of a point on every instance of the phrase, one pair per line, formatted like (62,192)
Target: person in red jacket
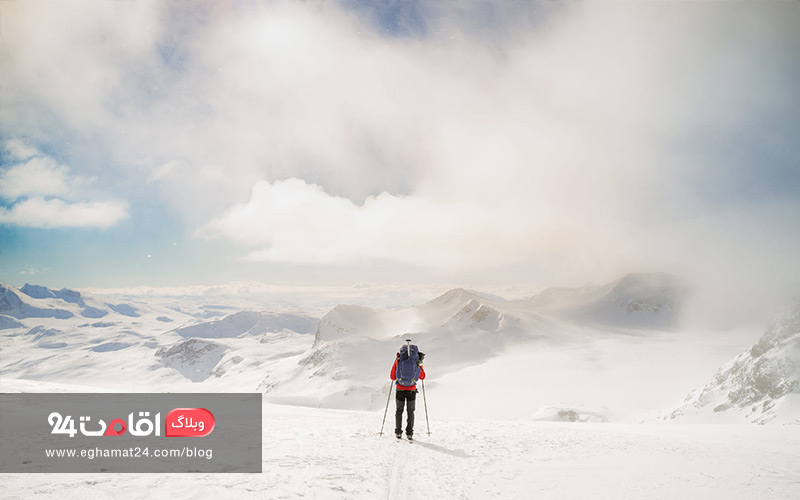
(405,395)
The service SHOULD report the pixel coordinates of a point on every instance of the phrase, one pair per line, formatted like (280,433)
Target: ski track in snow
(399,473)
(311,453)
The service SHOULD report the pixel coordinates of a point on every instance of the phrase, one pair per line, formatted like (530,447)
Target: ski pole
(387,408)
(424,400)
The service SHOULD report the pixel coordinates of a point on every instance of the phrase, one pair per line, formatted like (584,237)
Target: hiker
(406,370)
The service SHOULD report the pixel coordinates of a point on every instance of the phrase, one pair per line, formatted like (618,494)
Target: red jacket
(393,375)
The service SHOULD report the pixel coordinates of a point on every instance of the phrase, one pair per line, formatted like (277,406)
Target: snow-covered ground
(338,454)
(564,393)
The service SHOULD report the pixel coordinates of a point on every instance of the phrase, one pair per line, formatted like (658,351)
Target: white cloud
(559,158)
(42,213)
(42,191)
(20,150)
(33,271)
(293,221)
(36,174)
(39,176)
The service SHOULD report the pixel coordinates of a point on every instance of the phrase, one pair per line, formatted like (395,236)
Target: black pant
(401,397)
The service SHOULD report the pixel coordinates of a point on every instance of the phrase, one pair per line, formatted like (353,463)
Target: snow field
(337,454)
(518,401)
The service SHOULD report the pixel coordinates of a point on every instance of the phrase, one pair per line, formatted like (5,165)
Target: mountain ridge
(758,383)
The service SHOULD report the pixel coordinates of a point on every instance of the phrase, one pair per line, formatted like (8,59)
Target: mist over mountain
(465,331)
(642,301)
(593,353)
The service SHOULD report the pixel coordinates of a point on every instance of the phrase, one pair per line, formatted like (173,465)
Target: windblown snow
(560,394)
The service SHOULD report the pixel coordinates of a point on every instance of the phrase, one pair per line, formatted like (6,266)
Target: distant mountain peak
(40,301)
(638,281)
(18,305)
(461,296)
(37,291)
(637,300)
(454,295)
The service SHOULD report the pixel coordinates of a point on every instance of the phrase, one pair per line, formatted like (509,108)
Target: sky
(547,143)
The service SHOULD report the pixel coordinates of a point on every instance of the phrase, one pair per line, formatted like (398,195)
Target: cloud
(36,174)
(37,189)
(19,150)
(293,221)
(52,213)
(597,146)
(33,271)
(593,141)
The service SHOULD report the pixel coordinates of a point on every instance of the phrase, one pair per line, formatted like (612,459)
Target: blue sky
(176,143)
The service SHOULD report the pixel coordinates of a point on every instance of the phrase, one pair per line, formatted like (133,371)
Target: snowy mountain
(249,323)
(34,301)
(16,304)
(466,331)
(549,384)
(642,301)
(457,309)
(348,364)
(69,335)
(638,301)
(7,322)
(590,354)
(761,385)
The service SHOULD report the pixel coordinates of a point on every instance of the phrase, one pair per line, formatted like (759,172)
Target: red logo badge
(188,422)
